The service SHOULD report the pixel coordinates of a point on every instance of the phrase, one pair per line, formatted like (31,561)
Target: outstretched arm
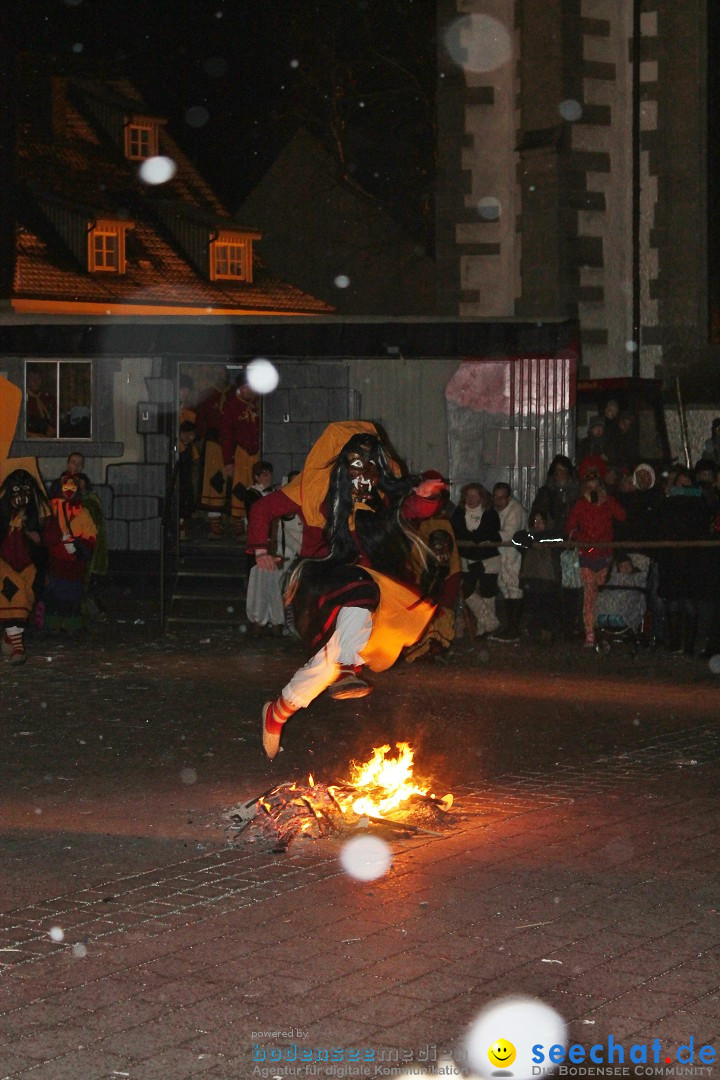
(262,514)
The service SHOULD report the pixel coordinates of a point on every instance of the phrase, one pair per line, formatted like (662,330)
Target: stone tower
(573,175)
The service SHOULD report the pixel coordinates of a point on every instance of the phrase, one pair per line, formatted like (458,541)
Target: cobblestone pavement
(135,941)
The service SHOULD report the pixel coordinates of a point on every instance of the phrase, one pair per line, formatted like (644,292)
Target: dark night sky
(235,77)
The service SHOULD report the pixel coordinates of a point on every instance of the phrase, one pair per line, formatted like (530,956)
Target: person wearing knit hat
(643,477)
(594,442)
(641,504)
(592,465)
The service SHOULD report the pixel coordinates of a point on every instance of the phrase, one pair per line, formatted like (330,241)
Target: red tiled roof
(39,276)
(85,172)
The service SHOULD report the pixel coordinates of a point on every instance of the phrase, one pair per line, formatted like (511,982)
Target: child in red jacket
(591,519)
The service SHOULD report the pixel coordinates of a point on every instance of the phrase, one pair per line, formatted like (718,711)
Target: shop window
(58,399)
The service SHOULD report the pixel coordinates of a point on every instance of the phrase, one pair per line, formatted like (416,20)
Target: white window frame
(57,437)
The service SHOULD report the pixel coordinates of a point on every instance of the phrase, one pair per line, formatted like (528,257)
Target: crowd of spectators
(577,561)
(607,544)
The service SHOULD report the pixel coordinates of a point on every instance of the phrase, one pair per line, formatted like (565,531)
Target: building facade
(598,206)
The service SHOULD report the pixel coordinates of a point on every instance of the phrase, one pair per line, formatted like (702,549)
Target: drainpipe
(636,187)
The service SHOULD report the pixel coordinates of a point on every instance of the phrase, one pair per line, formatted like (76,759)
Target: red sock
(280,710)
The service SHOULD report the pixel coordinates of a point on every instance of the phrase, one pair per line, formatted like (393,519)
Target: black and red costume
(356,601)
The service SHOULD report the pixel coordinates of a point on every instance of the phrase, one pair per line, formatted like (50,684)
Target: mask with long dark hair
(362,478)
(360,474)
(21,493)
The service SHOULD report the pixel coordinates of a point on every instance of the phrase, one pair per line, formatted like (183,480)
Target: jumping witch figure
(359,603)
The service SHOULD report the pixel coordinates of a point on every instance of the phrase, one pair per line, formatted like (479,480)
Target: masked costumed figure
(70,557)
(213,482)
(26,524)
(40,407)
(359,604)
(187,465)
(240,441)
(439,582)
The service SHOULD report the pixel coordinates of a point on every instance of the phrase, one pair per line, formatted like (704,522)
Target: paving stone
(407,965)
(385,1009)
(177,1063)
(89,1064)
(179,992)
(649,1006)
(14,1063)
(194,953)
(146,1038)
(123,1015)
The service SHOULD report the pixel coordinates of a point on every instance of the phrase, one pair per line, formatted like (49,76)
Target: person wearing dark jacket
(594,443)
(711,448)
(540,578)
(622,447)
(641,504)
(687,577)
(556,498)
(554,501)
(476,522)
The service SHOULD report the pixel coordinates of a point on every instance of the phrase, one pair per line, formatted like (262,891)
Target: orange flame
(385,782)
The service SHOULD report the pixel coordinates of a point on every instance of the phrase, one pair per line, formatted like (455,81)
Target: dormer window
(229,260)
(141,138)
(106,246)
(231,256)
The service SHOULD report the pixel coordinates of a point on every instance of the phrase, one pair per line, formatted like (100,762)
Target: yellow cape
(399,620)
(310,487)
(10,401)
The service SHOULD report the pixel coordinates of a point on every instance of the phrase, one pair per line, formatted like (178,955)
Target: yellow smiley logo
(501,1053)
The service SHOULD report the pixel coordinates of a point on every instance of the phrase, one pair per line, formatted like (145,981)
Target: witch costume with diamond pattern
(26,525)
(213,482)
(359,604)
(240,442)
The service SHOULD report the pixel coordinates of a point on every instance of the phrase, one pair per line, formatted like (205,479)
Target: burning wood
(381,786)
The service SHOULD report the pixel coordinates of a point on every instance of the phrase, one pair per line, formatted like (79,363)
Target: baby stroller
(621,603)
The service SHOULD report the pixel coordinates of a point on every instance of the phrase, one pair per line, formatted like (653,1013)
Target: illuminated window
(105,250)
(106,246)
(58,399)
(141,139)
(231,256)
(230,260)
